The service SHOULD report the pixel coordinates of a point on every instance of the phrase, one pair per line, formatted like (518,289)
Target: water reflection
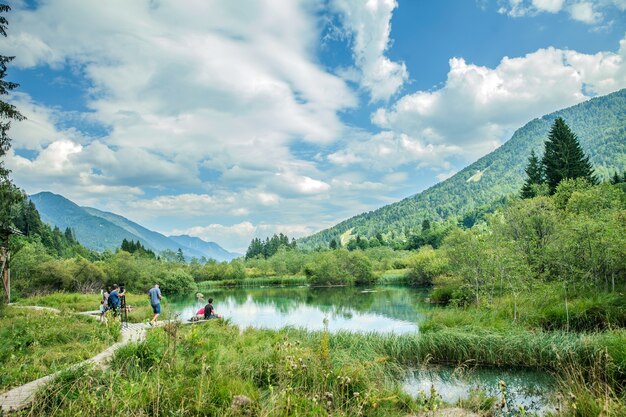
(530,389)
(380,309)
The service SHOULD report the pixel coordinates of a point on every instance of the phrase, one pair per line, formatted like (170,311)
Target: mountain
(199,245)
(101,230)
(599,123)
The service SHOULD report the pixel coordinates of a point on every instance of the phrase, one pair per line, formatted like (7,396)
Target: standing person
(114,300)
(104,304)
(209,311)
(155,301)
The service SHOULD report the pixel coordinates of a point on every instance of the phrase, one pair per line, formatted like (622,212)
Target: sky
(229,120)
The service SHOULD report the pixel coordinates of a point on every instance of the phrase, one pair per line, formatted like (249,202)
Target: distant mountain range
(101,230)
(599,123)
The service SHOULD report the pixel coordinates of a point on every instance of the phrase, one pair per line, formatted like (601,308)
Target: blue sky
(230,120)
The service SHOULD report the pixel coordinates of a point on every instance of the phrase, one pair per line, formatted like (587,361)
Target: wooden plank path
(21,397)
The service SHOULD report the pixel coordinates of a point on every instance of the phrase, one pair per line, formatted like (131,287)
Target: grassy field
(75,302)
(216,369)
(37,343)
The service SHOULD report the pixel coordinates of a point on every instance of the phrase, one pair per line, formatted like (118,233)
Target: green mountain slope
(101,230)
(209,249)
(600,124)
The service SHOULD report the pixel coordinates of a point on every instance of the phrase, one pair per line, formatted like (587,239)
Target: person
(155,301)
(209,311)
(199,315)
(104,304)
(115,301)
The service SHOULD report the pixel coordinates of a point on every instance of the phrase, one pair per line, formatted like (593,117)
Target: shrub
(177,281)
(426,265)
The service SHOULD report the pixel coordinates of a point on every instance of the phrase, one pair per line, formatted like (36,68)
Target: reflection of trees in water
(401,303)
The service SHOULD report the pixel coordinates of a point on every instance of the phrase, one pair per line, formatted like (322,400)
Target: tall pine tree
(534,176)
(563,157)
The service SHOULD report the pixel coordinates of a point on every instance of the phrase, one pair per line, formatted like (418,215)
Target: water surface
(380,309)
(530,389)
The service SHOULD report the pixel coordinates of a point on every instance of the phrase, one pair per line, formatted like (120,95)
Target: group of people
(207,312)
(112,300)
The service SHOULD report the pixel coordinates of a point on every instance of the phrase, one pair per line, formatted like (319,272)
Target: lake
(380,309)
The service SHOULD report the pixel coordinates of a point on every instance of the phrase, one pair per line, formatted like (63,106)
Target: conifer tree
(563,157)
(8,193)
(534,176)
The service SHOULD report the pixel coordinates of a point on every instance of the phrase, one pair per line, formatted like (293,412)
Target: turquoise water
(380,309)
(531,389)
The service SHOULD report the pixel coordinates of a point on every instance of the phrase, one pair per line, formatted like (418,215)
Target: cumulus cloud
(239,235)
(478,107)
(369,24)
(589,12)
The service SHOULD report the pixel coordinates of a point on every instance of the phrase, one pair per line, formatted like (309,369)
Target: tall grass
(76,302)
(255,282)
(38,343)
(218,369)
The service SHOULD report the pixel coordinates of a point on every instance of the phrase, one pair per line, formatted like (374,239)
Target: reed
(256,282)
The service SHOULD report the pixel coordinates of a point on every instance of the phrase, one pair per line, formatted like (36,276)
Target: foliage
(132,247)
(534,177)
(425,266)
(340,267)
(8,112)
(563,157)
(601,128)
(176,281)
(269,247)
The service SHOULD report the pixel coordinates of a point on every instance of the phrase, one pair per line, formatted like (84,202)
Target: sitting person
(199,315)
(209,311)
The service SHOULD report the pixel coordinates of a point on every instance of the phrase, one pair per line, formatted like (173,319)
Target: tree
(333,244)
(8,193)
(563,157)
(534,177)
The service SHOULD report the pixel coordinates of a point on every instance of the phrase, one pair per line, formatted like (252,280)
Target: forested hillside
(600,124)
(100,230)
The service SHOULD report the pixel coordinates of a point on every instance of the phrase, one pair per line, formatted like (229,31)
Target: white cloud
(369,23)
(238,236)
(584,12)
(478,107)
(588,12)
(551,6)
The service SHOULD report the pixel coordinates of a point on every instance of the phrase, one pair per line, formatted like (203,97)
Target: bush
(340,267)
(426,265)
(177,281)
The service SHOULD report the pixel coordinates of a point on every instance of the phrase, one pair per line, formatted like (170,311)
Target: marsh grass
(38,343)
(75,302)
(217,369)
(291,280)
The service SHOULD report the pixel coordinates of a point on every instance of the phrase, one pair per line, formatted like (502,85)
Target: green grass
(202,369)
(37,343)
(255,282)
(75,302)
(216,370)
(393,277)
